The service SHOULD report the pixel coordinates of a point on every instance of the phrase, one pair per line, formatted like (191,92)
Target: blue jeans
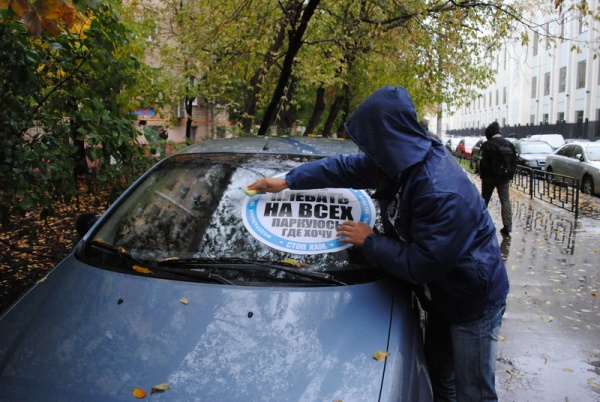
(461,358)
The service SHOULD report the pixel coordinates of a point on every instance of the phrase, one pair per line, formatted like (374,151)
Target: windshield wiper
(151,268)
(227,262)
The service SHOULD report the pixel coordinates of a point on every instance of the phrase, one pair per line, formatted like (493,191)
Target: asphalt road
(550,337)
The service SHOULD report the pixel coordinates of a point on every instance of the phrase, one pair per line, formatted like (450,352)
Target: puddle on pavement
(550,344)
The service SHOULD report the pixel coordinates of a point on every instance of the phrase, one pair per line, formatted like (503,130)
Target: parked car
(476,156)
(187,285)
(532,154)
(465,147)
(555,140)
(451,145)
(580,160)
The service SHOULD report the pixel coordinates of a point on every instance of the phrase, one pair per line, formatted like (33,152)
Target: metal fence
(561,191)
(587,130)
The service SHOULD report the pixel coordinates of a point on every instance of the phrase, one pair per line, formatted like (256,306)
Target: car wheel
(587,185)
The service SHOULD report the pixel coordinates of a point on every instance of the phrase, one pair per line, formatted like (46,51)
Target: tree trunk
(317,111)
(295,42)
(257,79)
(188,122)
(333,113)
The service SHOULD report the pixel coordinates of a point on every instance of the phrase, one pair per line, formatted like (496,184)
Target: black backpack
(503,161)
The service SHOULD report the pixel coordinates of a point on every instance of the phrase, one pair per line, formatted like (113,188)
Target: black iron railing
(561,191)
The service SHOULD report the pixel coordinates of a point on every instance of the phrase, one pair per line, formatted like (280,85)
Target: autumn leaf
(141,270)
(295,263)
(159,388)
(138,393)
(594,384)
(380,355)
(184,300)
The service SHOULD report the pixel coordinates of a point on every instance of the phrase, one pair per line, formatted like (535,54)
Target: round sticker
(305,221)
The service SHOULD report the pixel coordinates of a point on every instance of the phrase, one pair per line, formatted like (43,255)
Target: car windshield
(536,148)
(593,152)
(190,208)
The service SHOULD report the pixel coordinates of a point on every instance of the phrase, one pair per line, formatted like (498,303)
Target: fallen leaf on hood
(594,384)
(594,294)
(295,263)
(138,393)
(568,370)
(380,355)
(141,270)
(159,388)
(184,300)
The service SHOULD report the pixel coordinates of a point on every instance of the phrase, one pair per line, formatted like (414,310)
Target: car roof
(308,145)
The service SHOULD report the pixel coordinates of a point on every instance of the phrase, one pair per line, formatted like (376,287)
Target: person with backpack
(437,236)
(498,165)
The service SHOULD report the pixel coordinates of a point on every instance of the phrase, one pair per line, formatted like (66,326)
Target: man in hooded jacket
(438,236)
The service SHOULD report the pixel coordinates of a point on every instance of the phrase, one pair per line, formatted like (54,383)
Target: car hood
(595,164)
(532,157)
(91,334)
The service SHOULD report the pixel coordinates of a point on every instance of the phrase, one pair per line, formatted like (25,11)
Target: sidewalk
(549,347)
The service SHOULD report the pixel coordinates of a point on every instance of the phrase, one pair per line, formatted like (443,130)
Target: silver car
(580,160)
(189,289)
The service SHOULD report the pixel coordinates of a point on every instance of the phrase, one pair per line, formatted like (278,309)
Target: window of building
(504,96)
(532,119)
(547,83)
(579,116)
(545,118)
(533,87)
(581,74)
(497,96)
(547,29)
(536,39)
(560,117)
(490,100)
(562,79)
(581,19)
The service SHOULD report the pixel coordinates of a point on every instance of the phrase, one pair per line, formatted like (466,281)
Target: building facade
(551,81)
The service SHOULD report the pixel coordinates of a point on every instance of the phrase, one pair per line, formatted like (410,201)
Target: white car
(580,160)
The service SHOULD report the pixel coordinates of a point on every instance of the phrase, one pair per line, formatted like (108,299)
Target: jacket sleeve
(342,171)
(441,229)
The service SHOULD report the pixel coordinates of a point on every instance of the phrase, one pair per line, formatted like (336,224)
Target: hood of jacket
(386,129)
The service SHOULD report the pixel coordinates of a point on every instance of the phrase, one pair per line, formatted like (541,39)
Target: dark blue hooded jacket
(439,235)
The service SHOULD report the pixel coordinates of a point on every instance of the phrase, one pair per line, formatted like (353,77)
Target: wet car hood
(119,332)
(533,157)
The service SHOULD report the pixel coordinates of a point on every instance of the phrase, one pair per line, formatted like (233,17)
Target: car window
(593,152)
(190,206)
(565,151)
(577,150)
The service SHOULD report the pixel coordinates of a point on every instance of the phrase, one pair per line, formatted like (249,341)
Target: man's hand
(268,185)
(355,232)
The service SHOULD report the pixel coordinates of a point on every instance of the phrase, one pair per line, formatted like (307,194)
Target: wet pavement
(549,348)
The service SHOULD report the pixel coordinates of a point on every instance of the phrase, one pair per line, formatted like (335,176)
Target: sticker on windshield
(305,221)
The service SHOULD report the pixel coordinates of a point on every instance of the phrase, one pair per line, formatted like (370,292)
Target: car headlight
(531,163)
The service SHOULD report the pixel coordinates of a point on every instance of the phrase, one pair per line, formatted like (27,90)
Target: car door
(573,163)
(561,160)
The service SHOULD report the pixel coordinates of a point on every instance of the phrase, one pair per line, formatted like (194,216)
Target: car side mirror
(579,157)
(85,222)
